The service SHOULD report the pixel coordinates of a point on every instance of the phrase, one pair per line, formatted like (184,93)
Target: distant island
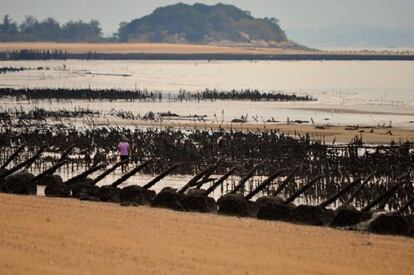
(175,32)
(180,23)
(203,24)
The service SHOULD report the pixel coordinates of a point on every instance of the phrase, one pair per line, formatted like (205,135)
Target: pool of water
(348,92)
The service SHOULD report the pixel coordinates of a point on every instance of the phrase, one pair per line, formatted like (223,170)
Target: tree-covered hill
(199,23)
(179,23)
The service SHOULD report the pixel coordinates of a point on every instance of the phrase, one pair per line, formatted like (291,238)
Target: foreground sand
(65,236)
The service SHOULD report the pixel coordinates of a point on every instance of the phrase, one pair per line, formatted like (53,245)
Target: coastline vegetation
(179,23)
(146,95)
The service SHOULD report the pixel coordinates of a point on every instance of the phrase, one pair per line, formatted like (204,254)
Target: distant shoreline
(147,51)
(218,57)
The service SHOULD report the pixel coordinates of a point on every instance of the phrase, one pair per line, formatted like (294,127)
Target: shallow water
(383,90)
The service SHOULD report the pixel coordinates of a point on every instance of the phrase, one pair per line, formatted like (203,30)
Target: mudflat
(66,236)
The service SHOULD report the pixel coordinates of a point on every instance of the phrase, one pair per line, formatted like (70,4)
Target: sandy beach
(158,48)
(66,236)
(167,48)
(243,137)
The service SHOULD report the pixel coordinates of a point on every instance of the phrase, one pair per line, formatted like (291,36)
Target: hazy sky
(293,14)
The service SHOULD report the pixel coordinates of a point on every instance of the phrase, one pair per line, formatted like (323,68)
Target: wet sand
(355,111)
(66,236)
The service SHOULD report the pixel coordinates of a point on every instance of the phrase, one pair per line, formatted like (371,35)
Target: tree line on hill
(201,23)
(179,23)
(31,29)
